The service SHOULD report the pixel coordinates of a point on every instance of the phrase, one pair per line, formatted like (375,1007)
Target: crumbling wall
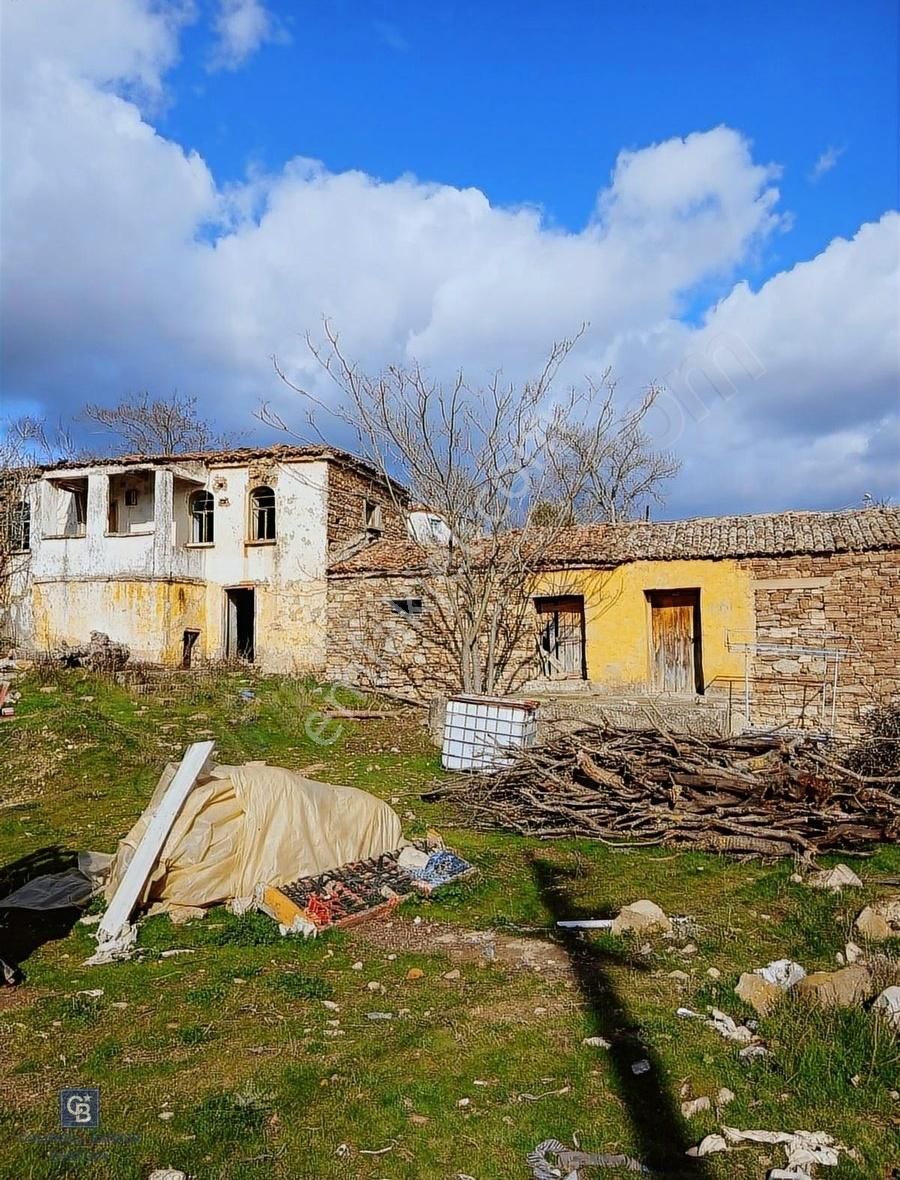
(848,601)
(348,491)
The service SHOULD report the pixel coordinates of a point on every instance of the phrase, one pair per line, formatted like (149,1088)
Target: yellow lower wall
(617,616)
(150,617)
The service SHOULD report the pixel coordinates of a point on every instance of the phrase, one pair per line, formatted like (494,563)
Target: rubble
(836,989)
(641,917)
(880,920)
(99,654)
(755,794)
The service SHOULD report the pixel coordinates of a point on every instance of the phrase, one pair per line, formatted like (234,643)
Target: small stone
(451,974)
(418,1120)
(331,1006)
(761,995)
(639,1067)
(714,973)
(597,1042)
(119,1004)
(47,688)
(464,1102)
(689,949)
(836,989)
(852,952)
(415,973)
(680,976)
(724,1096)
(840,877)
(888,1006)
(695,1106)
(357,966)
(167,1174)
(374,986)
(641,917)
(165,1115)
(379,1016)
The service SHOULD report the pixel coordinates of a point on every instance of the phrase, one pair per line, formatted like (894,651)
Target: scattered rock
(357,966)
(714,973)
(379,1016)
(690,949)
(881,920)
(761,995)
(167,1174)
(464,1102)
(418,1120)
(695,1106)
(852,952)
(680,976)
(597,1042)
(641,917)
(840,877)
(455,974)
(724,1096)
(639,1067)
(888,1006)
(165,1115)
(836,989)
(331,1006)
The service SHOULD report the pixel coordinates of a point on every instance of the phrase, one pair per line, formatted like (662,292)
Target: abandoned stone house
(305,560)
(208,555)
(787,619)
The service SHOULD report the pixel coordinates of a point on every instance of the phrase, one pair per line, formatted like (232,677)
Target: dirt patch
(466,946)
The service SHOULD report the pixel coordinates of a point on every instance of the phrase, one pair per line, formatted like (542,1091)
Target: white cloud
(126,267)
(826,162)
(241,27)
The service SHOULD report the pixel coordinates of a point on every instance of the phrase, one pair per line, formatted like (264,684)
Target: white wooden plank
(147,852)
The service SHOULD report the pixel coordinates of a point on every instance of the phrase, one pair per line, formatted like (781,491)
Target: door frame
(229,606)
(694,592)
(577,601)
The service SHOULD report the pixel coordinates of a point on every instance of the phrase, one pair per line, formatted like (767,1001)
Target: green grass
(234,1040)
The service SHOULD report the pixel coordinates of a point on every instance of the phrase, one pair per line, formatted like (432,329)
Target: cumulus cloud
(126,266)
(241,27)
(826,162)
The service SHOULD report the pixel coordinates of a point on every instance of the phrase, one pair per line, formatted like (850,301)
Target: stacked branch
(758,794)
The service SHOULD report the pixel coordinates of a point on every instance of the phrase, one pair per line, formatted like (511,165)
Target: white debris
(888,1006)
(724,1096)
(167,1174)
(639,1067)
(597,1042)
(112,950)
(299,926)
(95,993)
(695,1106)
(784,973)
(804,1149)
(726,1027)
(751,1051)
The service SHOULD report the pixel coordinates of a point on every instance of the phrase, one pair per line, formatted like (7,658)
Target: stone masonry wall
(348,491)
(843,601)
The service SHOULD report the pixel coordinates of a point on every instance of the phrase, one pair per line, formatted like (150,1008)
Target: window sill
(63,536)
(255,544)
(199,545)
(150,533)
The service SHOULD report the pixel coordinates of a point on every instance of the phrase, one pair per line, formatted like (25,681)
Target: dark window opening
(409,608)
(561,637)
(240,624)
(20,527)
(202,526)
(262,514)
(187,647)
(676,656)
(372,518)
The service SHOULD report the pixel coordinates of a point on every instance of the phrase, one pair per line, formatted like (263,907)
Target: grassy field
(226,1062)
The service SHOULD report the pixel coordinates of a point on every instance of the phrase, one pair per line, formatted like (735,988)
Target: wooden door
(561,637)
(675,641)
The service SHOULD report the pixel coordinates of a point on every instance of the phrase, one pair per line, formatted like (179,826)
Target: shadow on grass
(22,932)
(651,1108)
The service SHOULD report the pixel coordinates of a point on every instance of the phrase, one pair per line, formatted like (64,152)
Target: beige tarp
(251,824)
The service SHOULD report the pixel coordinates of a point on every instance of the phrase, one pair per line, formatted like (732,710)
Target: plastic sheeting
(57,891)
(246,825)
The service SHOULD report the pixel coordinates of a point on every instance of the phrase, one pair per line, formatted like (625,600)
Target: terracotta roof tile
(780,534)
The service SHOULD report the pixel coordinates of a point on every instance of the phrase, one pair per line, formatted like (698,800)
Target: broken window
(409,608)
(372,518)
(20,526)
(202,530)
(130,503)
(262,514)
(67,516)
(561,637)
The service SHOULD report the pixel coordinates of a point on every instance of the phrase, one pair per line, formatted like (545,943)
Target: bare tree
(26,445)
(145,425)
(484,458)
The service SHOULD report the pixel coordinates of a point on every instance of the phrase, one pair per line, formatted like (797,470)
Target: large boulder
(840,877)
(758,992)
(880,920)
(836,989)
(641,917)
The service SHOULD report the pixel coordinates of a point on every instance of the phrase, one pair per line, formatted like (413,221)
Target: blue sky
(532,102)
(190,185)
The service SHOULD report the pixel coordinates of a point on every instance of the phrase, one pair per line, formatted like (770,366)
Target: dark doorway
(240,624)
(676,662)
(187,647)
(561,637)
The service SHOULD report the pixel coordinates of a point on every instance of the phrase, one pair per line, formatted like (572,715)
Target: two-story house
(199,556)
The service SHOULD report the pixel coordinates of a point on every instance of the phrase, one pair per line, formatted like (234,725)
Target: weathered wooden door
(675,641)
(561,637)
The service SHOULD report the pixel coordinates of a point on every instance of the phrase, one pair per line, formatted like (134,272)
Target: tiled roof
(771,535)
(232,456)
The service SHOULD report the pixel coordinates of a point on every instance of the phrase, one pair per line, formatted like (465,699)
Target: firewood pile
(757,794)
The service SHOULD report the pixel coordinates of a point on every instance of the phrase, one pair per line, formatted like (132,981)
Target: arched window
(262,514)
(202,528)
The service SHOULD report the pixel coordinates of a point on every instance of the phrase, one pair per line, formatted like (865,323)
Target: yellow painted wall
(617,616)
(149,616)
